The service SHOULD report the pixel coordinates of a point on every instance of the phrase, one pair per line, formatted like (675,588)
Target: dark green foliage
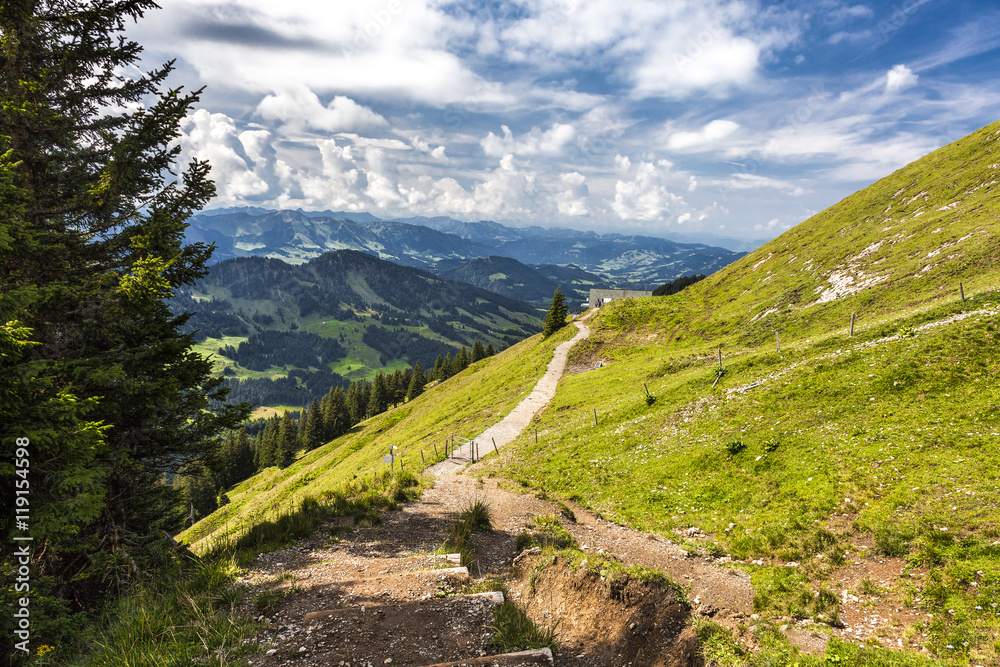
(556,319)
(96,372)
(357,401)
(462,360)
(379,401)
(402,344)
(417,382)
(336,415)
(675,286)
(265,349)
(267,445)
(199,494)
(235,460)
(734,447)
(295,389)
(287,442)
(313,435)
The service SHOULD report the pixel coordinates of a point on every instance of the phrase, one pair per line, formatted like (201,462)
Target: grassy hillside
(804,467)
(836,450)
(463,405)
(906,240)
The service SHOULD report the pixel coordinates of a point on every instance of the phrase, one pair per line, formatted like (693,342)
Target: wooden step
(532,658)
(495,597)
(460,574)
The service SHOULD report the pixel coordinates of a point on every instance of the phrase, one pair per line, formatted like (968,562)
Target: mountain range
(341,316)
(443,244)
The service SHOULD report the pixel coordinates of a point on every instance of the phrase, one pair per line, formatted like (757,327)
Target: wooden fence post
(495,445)
(777,340)
(720,356)
(595,416)
(961,290)
(853,315)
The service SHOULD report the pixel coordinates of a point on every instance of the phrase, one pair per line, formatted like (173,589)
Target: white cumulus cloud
(535,142)
(300,108)
(707,135)
(235,157)
(646,195)
(899,78)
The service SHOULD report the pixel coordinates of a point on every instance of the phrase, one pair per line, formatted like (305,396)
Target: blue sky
(738,119)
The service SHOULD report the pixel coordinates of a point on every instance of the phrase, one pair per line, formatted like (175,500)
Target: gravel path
(517,419)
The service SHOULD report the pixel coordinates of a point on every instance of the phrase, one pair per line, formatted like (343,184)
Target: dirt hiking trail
(381,595)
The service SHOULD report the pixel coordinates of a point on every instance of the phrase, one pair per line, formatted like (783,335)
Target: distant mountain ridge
(441,244)
(341,316)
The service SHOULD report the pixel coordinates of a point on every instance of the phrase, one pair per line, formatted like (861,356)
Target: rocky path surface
(517,419)
(363,597)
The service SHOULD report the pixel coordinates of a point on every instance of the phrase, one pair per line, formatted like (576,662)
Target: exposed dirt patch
(606,621)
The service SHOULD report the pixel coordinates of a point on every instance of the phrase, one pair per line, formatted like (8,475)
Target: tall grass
(189,616)
(185,618)
(363,499)
(476,516)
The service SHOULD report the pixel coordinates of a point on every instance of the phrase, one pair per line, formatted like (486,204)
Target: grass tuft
(478,516)
(513,630)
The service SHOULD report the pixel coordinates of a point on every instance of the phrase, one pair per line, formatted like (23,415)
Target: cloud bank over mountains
(655,115)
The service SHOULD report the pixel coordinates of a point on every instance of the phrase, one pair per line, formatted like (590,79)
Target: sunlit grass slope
(903,241)
(881,443)
(463,405)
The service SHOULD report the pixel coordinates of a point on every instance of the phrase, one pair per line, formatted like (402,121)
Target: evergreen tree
(400,383)
(489,350)
(461,360)
(199,493)
(365,397)
(447,367)
(269,444)
(416,386)
(223,464)
(314,431)
(358,397)
(556,319)
(379,400)
(336,415)
(439,368)
(243,455)
(287,441)
(478,351)
(258,450)
(300,425)
(92,243)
